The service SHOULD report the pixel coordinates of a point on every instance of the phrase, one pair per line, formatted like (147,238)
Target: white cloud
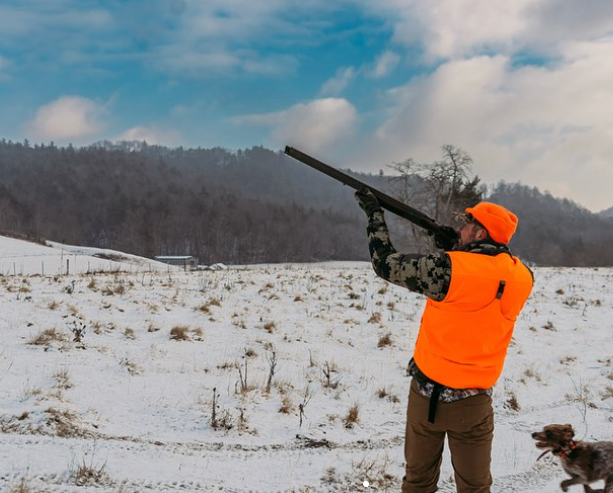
(151,135)
(337,84)
(213,36)
(69,118)
(545,126)
(218,59)
(385,64)
(463,28)
(316,125)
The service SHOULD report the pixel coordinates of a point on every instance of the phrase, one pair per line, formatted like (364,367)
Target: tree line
(257,205)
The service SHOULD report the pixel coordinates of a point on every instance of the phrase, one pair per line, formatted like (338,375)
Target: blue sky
(525,87)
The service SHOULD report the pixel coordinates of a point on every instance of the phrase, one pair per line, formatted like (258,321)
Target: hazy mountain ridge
(249,206)
(607,212)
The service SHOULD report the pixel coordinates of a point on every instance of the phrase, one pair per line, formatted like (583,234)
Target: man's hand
(443,239)
(367,201)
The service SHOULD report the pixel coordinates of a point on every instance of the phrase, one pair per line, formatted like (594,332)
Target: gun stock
(389,203)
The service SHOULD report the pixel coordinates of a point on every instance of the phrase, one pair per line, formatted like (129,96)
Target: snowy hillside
(263,379)
(18,257)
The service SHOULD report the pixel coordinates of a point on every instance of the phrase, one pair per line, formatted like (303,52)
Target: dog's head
(554,437)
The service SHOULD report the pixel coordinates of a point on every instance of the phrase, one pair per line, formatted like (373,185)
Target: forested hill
(249,206)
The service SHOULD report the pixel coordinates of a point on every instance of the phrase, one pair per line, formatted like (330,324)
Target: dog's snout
(534,435)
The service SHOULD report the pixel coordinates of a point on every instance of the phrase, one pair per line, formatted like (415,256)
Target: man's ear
(482,234)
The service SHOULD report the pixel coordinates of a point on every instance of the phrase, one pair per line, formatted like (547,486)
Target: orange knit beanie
(499,222)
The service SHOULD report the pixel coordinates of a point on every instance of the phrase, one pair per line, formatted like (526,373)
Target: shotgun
(389,203)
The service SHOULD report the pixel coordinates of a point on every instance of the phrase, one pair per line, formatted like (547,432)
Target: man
(475,291)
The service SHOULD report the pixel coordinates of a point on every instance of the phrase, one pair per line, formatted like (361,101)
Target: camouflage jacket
(429,275)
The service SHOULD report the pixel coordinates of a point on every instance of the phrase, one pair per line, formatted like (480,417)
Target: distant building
(186,261)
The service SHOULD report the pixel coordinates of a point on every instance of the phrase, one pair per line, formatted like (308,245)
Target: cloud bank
(317,125)
(67,119)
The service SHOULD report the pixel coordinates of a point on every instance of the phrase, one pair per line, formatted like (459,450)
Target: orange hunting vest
(463,340)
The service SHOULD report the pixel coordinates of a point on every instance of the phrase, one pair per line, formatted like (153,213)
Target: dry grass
(330,381)
(90,475)
(549,326)
(531,373)
(118,288)
(152,328)
(30,392)
(330,476)
(131,366)
(24,486)
(62,379)
(180,333)
(373,470)
(204,308)
(53,422)
(352,417)
(129,333)
(383,393)
(214,302)
(512,403)
(608,392)
(65,424)
(568,360)
(74,311)
(384,341)
(47,337)
(287,406)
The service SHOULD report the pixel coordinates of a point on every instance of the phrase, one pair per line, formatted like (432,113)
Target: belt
(436,391)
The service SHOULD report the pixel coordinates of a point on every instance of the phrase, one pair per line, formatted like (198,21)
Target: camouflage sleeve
(425,274)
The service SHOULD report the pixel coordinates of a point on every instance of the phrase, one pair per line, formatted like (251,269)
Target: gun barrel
(389,203)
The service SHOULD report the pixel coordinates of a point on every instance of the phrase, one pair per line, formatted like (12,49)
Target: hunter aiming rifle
(444,235)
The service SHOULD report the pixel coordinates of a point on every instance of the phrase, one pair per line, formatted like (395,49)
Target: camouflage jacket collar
(485,247)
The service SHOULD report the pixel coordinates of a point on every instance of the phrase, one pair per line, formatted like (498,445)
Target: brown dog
(586,462)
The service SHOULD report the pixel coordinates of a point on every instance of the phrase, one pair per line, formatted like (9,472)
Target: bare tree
(438,189)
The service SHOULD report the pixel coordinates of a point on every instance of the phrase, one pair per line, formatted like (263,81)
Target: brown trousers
(469,426)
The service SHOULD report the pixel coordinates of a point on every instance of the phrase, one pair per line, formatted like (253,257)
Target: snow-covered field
(125,376)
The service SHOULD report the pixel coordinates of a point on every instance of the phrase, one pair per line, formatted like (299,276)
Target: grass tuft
(352,417)
(386,340)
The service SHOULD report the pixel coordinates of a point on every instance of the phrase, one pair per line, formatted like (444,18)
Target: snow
(129,409)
